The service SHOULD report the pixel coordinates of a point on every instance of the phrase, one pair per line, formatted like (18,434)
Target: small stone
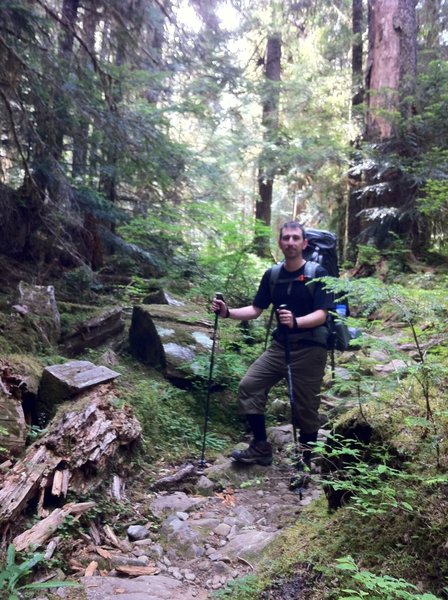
(137,532)
(223,529)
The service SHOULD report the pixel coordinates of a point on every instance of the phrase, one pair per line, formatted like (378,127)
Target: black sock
(304,440)
(258,426)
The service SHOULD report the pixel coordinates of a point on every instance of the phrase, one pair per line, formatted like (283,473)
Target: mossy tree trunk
(270,120)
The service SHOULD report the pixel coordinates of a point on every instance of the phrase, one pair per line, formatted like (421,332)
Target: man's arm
(313,319)
(245,313)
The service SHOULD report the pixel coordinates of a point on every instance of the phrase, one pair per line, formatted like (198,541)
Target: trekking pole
(288,367)
(298,483)
(218,296)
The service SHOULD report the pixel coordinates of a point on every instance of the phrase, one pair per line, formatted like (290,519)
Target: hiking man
(301,325)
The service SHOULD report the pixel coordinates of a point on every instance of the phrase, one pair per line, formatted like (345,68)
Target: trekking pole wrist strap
(227,315)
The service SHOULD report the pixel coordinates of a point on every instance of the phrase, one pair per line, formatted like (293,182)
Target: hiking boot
(259,453)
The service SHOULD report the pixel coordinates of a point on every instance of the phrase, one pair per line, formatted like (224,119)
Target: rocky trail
(208,534)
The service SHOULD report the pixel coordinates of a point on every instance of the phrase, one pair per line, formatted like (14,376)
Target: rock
(177,502)
(160,296)
(222,529)
(40,301)
(247,545)
(204,486)
(170,337)
(280,436)
(155,587)
(137,532)
(396,365)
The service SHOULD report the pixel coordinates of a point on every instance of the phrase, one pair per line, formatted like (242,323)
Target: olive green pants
(307,371)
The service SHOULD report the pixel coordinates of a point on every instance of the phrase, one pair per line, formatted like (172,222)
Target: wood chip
(91,569)
(103,552)
(61,479)
(136,571)
(95,534)
(111,536)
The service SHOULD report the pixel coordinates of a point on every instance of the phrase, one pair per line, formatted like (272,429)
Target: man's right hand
(219,307)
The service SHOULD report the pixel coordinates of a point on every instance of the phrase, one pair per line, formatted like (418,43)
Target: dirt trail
(203,543)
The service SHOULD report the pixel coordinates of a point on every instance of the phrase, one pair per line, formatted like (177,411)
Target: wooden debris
(103,552)
(117,487)
(85,442)
(94,332)
(136,571)
(13,429)
(60,382)
(91,569)
(60,482)
(95,534)
(51,547)
(186,472)
(112,537)
(39,533)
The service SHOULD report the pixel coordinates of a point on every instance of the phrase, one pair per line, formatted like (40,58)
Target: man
(301,325)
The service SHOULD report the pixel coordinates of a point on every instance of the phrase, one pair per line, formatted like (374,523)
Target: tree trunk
(391,65)
(81,133)
(270,120)
(357,54)
(69,15)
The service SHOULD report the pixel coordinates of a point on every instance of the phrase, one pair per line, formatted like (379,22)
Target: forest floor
(202,546)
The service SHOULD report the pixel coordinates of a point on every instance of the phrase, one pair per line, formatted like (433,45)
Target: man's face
(291,242)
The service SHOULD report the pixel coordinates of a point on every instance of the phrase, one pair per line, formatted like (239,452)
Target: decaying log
(94,332)
(13,428)
(188,472)
(61,479)
(86,442)
(61,382)
(42,531)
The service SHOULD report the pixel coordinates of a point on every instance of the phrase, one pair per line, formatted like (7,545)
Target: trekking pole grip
(284,307)
(218,296)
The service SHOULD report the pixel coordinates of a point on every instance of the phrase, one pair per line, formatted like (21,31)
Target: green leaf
(50,584)
(11,555)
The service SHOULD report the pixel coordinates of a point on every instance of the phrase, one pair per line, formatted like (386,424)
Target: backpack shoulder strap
(273,278)
(310,273)
(275,272)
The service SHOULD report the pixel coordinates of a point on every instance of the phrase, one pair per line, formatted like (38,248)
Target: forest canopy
(124,123)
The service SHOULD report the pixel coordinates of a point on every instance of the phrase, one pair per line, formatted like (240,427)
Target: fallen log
(88,441)
(188,472)
(42,531)
(94,332)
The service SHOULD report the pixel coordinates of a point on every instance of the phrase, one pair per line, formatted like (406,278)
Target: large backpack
(321,250)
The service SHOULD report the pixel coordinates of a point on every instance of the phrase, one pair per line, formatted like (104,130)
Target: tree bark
(357,54)
(69,16)
(391,65)
(81,133)
(270,120)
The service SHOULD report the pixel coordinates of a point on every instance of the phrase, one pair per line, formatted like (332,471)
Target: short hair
(292,225)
